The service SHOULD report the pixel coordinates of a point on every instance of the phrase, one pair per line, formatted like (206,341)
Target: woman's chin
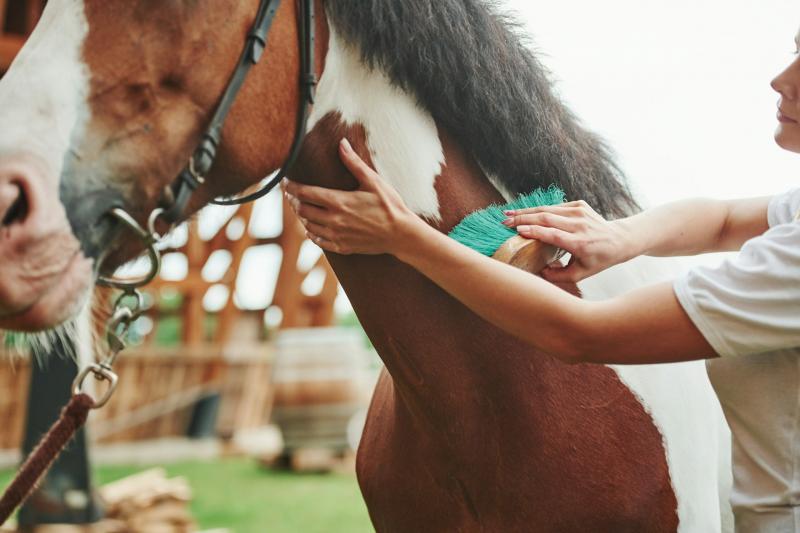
(788,137)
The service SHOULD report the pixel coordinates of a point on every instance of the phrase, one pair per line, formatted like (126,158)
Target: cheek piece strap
(177,196)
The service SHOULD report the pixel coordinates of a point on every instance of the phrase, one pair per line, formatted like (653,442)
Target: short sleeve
(783,208)
(751,304)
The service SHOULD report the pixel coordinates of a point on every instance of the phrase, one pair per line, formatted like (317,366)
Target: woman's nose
(787,82)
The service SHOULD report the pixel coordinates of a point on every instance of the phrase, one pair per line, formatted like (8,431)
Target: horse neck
(433,174)
(432,345)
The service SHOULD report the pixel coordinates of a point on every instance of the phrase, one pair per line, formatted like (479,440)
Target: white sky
(679,88)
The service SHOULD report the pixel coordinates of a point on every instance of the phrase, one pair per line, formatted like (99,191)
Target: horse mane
(469,66)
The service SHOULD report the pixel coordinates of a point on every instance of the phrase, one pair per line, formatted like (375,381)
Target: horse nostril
(18,209)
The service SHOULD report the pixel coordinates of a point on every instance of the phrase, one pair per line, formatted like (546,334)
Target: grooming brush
(484,232)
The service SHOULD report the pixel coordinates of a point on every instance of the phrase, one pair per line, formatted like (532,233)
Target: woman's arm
(645,326)
(686,227)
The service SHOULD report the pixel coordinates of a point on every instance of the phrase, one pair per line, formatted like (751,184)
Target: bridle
(172,210)
(176,196)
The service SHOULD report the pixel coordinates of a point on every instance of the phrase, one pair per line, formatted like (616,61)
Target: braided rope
(72,418)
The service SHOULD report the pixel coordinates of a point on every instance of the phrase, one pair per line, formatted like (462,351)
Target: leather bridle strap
(202,160)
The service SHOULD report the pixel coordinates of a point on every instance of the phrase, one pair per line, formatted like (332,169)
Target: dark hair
(469,67)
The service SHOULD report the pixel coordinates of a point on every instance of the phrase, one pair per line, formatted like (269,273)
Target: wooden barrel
(321,381)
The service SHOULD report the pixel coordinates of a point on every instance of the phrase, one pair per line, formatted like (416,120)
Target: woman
(744,314)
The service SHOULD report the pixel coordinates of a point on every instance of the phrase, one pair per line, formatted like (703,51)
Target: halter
(129,305)
(201,161)
(176,196)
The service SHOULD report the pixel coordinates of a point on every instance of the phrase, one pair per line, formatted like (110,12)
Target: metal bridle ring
(149,242)
(151,224)
(100,373)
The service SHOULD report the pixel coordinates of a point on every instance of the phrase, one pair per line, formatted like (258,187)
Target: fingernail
(285,181)
(347,146)
(509,213)
(508,222)
(523,229)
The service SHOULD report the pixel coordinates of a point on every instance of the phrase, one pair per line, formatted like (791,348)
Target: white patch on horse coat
(402,138)
(43,95)
(684,408)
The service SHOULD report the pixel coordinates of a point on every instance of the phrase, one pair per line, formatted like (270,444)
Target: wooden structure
(296,309)
(157,394)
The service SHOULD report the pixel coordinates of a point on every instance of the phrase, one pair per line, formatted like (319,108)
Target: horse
(469,429)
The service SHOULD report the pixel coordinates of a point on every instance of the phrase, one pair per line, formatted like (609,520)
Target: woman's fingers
(321,231)
(550,220)
(312,213)
(358,167)
(313,195)
(553,236)
(572,273)
(579,208)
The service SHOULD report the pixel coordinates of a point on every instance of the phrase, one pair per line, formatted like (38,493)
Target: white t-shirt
(748,309)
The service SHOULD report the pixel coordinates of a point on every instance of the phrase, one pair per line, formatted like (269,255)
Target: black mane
(467,65)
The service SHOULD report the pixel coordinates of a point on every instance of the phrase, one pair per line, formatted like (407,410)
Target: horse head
(102,108)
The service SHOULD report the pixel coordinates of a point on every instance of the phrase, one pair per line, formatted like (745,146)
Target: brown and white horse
(469,429)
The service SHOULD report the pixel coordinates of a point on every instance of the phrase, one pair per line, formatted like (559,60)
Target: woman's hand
(595,244)
(371,220)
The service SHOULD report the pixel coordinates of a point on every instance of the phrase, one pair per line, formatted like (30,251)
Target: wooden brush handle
(526,254)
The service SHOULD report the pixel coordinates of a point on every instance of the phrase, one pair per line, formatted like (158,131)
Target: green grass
(239,495)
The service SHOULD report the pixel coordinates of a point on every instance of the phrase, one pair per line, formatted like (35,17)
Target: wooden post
(237,248)
(287,291)
(194,315)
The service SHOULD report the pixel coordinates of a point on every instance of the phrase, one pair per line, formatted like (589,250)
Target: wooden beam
(10,45)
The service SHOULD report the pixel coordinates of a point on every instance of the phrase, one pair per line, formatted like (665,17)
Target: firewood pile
(148,502)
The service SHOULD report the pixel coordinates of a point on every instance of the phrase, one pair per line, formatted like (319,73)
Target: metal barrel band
(100,372)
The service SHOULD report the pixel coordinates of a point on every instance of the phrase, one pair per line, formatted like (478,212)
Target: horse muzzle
(43,273)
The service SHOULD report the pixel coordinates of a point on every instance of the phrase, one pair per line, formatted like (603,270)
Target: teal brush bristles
(483,230)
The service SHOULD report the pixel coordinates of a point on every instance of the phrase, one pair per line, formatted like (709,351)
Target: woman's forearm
(696,226)
(516,301)
(644,326)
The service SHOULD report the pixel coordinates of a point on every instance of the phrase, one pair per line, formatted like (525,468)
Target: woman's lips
(783,119)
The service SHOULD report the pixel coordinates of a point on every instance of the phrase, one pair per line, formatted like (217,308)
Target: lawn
(239,495)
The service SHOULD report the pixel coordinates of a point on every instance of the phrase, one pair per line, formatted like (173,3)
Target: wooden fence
(158,391)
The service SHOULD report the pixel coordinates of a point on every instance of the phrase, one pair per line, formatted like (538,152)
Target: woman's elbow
(575,346)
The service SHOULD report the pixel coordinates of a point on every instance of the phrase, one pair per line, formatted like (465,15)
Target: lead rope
(127,309)
(72,418)
(177,196)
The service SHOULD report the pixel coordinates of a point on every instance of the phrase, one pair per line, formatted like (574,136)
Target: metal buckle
(196,175)
(148,238)
(100,373)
